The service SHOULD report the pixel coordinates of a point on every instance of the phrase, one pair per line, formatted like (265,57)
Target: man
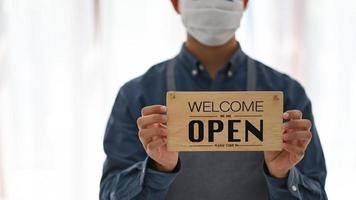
(138,165)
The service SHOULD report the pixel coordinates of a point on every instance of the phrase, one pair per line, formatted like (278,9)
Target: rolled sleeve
(286,188)
(293,182)
(155,179)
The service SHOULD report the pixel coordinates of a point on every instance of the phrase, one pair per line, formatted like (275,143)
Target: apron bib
(219,175)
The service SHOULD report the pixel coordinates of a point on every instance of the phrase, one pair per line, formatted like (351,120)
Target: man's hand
(296,137)
(153,136)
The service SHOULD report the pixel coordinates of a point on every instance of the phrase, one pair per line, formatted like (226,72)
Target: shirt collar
(188,59)
(193,64)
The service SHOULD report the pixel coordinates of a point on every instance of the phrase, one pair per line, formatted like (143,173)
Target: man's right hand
(153,136)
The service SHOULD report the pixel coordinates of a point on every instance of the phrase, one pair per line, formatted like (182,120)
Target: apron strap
(251,75)
(170,75)
(250,83)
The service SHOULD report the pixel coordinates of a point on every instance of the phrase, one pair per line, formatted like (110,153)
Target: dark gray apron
(219,175)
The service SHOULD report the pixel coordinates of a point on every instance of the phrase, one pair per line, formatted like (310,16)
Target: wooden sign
(224,121)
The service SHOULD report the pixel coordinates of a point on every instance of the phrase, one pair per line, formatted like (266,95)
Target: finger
(155,125)
(145,121)
(154,109)
(292,114)
(303,124)
(297,135)
(146,134)
(162,125)
(303,144)
(294,149)
(154,144)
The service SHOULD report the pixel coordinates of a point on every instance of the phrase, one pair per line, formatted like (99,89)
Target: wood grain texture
(234,108)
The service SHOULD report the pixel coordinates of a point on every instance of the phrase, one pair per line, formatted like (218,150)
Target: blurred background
(62,63)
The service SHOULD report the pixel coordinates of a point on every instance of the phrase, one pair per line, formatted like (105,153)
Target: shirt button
(112,195)
(229,73)
(194,72)
(294,188)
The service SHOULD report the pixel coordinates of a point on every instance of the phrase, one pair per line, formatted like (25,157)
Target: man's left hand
(296,138)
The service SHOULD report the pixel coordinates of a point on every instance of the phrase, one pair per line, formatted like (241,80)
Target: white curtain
(54,100)
(63,61)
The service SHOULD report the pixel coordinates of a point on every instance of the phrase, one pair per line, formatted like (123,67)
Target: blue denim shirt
(127,173)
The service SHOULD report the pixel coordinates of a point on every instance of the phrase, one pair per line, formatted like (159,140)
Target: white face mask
(211,22)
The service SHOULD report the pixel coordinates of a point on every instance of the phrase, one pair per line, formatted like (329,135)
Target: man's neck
(213,58)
